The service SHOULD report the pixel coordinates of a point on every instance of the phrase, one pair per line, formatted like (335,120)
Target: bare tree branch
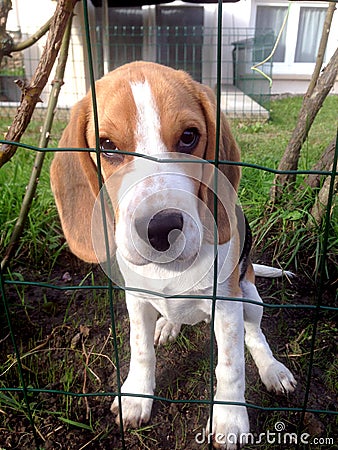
(6,41)
(32,91)
(32,39)
(317,91)
(308,112)
(324,163)
(44,139)
(322,47)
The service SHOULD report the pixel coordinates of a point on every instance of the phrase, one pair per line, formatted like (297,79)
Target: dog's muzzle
(162,230)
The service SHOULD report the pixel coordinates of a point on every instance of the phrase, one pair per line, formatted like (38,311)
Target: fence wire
(28,393)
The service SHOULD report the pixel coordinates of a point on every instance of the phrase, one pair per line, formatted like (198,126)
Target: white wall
(289,76)
(237,14)
(29,16)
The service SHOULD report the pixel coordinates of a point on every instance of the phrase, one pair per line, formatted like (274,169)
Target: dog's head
(161,208)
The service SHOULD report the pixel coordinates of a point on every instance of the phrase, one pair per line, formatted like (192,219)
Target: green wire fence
(29,393)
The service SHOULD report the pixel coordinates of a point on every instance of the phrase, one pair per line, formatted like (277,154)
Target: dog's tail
(271,272)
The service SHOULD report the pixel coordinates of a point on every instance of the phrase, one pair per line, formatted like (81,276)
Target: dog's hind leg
(274,374)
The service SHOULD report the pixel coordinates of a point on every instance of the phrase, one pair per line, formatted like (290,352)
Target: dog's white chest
(194,281)
(184,310)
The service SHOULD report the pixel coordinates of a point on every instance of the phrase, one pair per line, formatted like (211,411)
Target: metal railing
(29,393)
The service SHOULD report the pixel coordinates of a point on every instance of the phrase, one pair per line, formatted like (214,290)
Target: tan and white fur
(155,110)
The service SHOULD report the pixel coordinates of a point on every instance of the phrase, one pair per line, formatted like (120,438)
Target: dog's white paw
(135,410)
(165,331)
(230,427)
(278,378)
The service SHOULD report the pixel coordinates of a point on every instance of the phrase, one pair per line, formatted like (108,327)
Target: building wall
(287,77)
(29,16)
(290,76)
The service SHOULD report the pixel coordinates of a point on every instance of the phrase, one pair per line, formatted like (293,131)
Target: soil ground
(65,341)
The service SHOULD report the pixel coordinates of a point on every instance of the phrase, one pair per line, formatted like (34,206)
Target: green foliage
(14,72)
(41,240)
(286,230)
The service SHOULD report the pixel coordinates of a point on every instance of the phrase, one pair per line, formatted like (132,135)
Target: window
(271,17)
(298,47)
(311,21)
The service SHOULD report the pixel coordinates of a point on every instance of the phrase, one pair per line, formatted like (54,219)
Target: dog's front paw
(165,331)
(230,426)
(135,410)
(278,378)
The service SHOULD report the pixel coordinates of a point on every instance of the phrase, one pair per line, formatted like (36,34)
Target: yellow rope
(255,67)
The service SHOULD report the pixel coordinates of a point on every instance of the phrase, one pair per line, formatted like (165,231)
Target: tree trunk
(323,164)
(310,107)
(318,89)
(6,42)
(321,203)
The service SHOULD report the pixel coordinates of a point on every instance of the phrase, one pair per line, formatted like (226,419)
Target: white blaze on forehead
(147,133)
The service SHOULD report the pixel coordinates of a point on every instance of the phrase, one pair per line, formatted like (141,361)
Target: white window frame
(289,66)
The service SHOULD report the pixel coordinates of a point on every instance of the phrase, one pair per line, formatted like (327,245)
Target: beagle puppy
(174,227)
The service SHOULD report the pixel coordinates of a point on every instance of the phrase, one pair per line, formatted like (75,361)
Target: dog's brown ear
(75,185)
(228,151)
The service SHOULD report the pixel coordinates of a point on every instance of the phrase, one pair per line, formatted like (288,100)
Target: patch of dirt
(66,343)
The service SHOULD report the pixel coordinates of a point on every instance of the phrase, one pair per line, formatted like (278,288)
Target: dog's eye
(188,141)
(107,144)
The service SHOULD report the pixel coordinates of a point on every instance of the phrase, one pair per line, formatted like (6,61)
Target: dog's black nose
(163,229)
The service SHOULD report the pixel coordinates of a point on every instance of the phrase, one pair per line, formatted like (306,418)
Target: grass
(41,237)
(264,144)
(261,143)
(46,321)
